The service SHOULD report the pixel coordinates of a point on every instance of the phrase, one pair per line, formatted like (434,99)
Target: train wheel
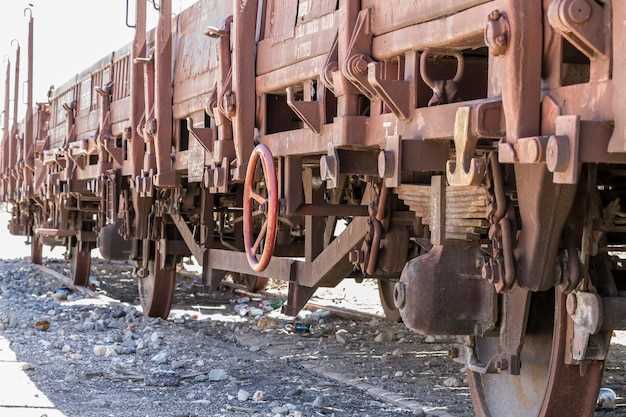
(265,205)
(546,387)
(80,266)
(251,282)
(36,249)
(385,291)
(156,286)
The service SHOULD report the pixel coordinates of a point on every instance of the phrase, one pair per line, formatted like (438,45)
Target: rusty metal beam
(196,250)
(459,30)
(332,265)
(166,176)
(226,260)
(244,53)
(137,100)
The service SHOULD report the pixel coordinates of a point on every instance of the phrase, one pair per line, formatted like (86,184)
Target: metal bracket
(329,168)
(331,65)
(396,94)
(585,309)
(466,170)
(583,23)
(354,67)
(205,136)
(308,111)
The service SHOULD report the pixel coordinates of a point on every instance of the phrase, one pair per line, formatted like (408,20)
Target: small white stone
(243,395)
(66,349)
(99,350)
(27,366)
(384,337)
(217,375)
(342,336)
(318,402)
(160,357)
(451,382)
(399,374)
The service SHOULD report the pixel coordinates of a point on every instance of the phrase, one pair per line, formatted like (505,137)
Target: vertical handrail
(166,176)
(243,82)
(137,86)
(15,127)
(28,131)
(5,124)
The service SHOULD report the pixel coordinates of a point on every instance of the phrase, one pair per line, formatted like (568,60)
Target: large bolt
(557,154)
(495,15)
(579,11)
(385,164)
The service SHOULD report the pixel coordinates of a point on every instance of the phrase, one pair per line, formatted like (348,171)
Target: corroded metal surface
(392,133)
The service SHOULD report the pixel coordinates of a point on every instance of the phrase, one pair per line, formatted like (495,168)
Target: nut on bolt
(497,33)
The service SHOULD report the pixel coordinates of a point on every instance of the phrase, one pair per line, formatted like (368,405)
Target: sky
(70,35)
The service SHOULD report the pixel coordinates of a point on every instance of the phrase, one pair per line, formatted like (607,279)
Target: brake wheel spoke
(260,237)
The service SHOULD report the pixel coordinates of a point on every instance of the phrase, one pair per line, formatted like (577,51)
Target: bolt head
(579,11)
(495,15)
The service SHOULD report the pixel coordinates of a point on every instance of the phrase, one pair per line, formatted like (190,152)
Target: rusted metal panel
(618,142)
(392,15)
(313,39)
(196,55)
(280,19)
(460,30)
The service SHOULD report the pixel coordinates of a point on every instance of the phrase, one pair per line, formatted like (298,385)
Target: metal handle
(127,9)
(460,69)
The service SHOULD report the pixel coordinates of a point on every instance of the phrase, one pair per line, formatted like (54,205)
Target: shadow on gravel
(110,361)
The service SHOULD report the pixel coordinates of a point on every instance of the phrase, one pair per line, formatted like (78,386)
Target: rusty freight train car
(468,154)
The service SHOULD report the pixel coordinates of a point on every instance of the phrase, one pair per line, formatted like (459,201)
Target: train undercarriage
(468,154)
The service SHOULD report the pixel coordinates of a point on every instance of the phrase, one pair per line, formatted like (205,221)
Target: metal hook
(16,42)
(30,12)
(157,8)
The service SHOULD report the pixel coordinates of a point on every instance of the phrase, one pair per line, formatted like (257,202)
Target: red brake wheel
(259,249)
